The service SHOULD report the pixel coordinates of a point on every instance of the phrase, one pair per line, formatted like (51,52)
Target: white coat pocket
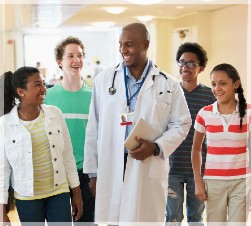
(161,112)
(162,105)
(13,146)
(158,168)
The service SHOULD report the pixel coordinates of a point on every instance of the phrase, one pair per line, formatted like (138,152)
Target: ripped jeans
(175,200)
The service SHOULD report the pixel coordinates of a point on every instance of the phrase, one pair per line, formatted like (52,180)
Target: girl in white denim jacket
(36,153)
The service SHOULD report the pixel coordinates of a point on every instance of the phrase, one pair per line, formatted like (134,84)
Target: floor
(14,219)
(13,215)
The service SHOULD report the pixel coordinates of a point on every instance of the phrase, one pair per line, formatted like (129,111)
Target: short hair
(193,48)
(139,27)
(59,50)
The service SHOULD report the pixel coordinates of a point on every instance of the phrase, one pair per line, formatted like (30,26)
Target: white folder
(143,130)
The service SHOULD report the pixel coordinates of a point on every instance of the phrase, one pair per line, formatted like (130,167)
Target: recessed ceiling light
(144,18)
(51,1)
(144,2)
(115,10)
(103,24)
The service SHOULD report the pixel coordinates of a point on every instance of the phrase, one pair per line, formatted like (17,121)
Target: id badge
(126,118)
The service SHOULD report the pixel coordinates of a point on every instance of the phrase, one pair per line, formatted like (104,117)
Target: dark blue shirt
(180,160)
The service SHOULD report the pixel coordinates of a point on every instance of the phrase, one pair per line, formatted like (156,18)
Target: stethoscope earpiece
(112,91)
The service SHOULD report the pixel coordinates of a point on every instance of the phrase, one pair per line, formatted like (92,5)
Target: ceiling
(47,14)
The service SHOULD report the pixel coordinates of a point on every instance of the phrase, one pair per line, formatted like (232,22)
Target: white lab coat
(142,195)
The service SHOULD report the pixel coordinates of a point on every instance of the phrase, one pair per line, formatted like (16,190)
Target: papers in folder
(143,130)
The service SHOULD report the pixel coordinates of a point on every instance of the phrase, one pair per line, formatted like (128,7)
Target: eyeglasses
(189,64)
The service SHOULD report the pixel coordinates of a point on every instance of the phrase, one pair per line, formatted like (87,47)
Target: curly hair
(193,48)
(59,50)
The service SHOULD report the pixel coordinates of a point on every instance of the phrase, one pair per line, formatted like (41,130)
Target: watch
(156,150)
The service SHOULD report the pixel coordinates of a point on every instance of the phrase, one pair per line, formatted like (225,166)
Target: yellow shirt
(42,162)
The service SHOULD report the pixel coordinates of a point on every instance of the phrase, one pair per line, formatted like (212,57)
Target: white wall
(228,38)
(99,45)
(222,33)
(2,39)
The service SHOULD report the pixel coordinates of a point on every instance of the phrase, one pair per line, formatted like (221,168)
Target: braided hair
(234,75)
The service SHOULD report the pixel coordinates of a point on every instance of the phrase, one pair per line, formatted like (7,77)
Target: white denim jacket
(16,153)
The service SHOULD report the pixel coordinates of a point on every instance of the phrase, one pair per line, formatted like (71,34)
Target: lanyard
(128,99)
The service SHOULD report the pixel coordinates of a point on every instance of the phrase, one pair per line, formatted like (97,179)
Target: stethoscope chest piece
(112,90)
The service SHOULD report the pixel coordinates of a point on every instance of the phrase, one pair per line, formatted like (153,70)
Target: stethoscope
(112,89)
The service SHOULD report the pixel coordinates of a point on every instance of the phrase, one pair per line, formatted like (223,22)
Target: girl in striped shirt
(226,125)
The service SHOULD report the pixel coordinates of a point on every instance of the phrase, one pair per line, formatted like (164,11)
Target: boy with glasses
(191,59)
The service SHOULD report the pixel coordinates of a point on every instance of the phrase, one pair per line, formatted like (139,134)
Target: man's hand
(145,150)
(92,186)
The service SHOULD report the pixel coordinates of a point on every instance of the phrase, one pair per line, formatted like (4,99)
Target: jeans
(175,199)
(56,208)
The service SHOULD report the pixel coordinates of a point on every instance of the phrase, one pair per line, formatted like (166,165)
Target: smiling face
(133,47)
(34,93)
(72,60)
(223,87)
(189,74)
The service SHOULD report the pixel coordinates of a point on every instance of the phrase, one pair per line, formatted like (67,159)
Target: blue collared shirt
(133,86)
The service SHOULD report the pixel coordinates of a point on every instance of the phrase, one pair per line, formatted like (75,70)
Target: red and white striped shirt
(227,152)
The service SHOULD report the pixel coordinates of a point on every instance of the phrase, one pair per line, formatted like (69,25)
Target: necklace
(25,116)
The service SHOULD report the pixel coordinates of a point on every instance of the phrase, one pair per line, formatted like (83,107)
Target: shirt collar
(13,118)
(216,110)
(129,75)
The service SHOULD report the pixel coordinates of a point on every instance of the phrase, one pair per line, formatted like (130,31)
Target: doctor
(131,187)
